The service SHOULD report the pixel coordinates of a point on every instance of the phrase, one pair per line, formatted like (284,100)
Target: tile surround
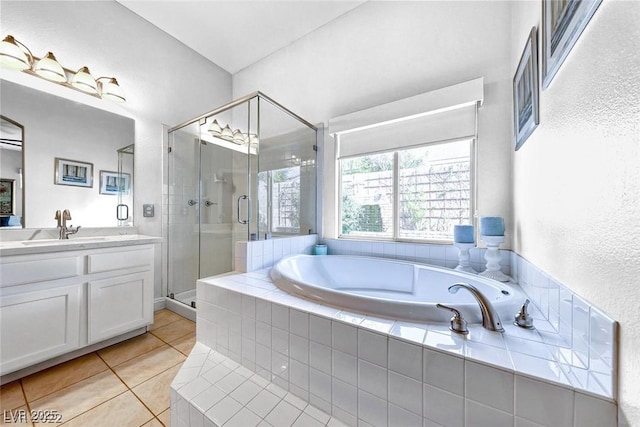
(571,353)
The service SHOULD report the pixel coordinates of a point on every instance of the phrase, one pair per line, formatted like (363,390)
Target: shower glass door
(209,205)
(216,246)
(245,171)
(183,238)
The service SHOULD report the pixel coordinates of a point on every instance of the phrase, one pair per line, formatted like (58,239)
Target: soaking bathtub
(390,288)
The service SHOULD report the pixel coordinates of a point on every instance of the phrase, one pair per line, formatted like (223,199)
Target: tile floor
(126,384)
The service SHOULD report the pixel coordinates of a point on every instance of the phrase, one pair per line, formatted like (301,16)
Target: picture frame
(7,197)
(114,183)
(562,23)
(73,172)
(526,110)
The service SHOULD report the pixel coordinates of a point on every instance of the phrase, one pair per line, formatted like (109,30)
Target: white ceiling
(235,34)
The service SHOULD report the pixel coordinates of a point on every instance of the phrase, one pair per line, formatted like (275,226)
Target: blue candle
(320,250)
(492,226)
(463,234)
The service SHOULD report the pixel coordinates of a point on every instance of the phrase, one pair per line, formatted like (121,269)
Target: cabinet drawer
(38,325)
(122,259)
(39,270)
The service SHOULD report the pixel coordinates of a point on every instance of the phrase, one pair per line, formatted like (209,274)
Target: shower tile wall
(216,188)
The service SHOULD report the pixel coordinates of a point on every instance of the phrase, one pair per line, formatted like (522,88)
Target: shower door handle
(242,221)
(122,212)
(192,202)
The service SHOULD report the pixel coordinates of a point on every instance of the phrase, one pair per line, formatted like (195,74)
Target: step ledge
(213,390)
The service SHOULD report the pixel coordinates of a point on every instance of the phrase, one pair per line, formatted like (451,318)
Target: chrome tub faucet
(490,318)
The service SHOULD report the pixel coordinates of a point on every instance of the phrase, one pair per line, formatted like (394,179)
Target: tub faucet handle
(523,318)
(458,324)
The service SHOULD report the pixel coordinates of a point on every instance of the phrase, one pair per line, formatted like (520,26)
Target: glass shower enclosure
(244,171)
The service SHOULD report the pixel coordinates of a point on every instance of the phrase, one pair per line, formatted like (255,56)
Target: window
(282,190)
(407,194)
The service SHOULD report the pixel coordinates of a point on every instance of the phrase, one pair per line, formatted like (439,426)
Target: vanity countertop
(36,246)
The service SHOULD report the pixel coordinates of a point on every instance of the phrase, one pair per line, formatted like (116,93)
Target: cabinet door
(119,304)
(37,325)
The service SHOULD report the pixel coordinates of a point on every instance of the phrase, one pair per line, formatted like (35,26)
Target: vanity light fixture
(236,136)
(227,133)
(84,81)
(13,56)
(49,68)
(215,129)
(16,56)
(111,90)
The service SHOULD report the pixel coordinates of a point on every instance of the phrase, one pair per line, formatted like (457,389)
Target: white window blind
(453,124)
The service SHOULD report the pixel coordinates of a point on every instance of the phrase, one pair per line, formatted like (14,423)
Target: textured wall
(577,178)
(385,51)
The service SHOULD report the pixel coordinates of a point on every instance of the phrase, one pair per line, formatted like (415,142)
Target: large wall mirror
(59,154)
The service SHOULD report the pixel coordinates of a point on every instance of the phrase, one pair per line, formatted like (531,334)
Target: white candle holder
(464,263)
(492,255)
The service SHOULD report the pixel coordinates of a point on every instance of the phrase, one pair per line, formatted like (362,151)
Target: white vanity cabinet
(38,324)
(58,302)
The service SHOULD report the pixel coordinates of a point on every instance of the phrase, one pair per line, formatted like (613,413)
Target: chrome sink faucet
(62,218)
(490,318)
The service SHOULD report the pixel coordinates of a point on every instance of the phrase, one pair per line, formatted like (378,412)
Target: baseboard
(181,309)
(159,303)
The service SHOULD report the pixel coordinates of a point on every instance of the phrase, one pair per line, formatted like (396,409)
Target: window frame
(473,192)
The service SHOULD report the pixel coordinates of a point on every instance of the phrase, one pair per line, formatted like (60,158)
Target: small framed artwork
(114,183)
(525,92)
(72,172)
(7,196)
(562,23)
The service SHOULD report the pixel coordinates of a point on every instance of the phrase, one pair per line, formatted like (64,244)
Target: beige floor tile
(175,330)
(127,350)
(145,366)
(155,391)
(15,417)
(61,376)
(154,423)
(123,410)
(82,396)
(184,344)
(165,418)
(11,396)
(164,317)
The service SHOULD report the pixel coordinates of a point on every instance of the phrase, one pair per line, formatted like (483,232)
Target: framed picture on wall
(72,172)
(525,92)
(114,183)
(7,196)
(562,23)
